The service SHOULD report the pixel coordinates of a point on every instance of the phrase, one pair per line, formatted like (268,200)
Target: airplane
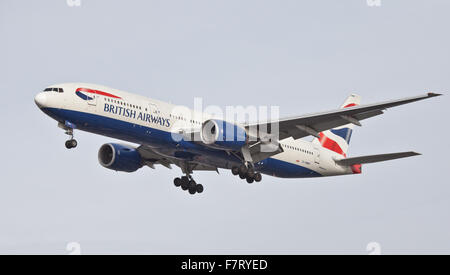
(206,143)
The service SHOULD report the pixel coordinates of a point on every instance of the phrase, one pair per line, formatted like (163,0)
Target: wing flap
(375,158)
(151,158)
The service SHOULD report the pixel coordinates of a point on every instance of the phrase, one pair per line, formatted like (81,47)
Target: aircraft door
(316,155)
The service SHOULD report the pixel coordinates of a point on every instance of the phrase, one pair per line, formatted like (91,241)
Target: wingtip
(415,154)
(433,94)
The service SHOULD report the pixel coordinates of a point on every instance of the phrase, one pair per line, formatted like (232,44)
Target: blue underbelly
(282,169)
(139,134)
(160,140)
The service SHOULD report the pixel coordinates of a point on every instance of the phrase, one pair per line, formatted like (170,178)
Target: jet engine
(119,157)
(223,135)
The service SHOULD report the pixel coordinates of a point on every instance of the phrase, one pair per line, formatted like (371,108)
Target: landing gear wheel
(177,182)
(257,177)
(242,176)
(192,183)
(193,189)
(250,180)
(72,143)
(68,145)
(250,174)
(184,183)
(199,188)
(235,170)
(242,170)
(250,171)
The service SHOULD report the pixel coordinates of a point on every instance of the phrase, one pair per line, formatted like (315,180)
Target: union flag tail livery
(196,141)
(338,139)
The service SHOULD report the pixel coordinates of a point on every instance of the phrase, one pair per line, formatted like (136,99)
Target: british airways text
(121,111)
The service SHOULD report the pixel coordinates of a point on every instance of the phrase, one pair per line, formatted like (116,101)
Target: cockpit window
(58,90)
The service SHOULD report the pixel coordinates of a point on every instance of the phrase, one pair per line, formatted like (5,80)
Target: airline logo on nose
(86,94)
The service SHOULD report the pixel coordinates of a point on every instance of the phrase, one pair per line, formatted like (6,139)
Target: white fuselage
(150,122)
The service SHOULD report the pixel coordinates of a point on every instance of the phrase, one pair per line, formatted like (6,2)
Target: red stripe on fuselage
(96,92)
(330,144)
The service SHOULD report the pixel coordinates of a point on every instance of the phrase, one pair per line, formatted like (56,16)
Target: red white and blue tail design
(338,139)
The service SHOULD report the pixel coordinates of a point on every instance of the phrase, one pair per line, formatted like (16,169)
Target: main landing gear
(71,143)
(247,173)
(187,183)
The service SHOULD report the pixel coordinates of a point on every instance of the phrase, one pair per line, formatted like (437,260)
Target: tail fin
(338,139)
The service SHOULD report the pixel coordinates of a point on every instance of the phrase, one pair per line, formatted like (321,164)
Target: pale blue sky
(304,56)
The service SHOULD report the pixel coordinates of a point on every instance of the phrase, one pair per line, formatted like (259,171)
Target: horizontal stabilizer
(375,158)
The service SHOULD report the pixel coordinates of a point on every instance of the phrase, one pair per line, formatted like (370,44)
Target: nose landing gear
(68,128)
(71,143)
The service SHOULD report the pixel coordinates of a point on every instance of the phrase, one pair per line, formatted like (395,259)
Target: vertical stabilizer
(338,139)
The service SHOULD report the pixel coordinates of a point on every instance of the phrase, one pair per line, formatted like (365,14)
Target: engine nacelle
(223,135)
(118,157)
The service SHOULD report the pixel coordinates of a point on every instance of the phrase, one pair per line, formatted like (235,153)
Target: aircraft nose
(40,100)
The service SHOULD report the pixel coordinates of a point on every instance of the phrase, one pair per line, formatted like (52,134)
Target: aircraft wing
(375,158)
(313,124)
(151,158)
